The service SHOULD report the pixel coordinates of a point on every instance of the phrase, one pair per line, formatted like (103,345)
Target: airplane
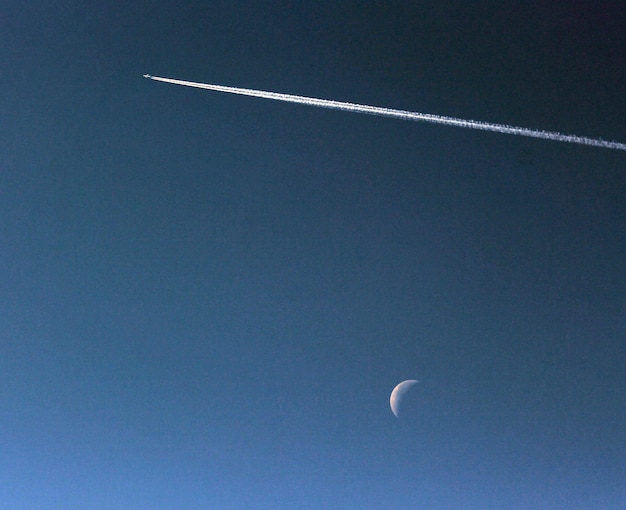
(147,76)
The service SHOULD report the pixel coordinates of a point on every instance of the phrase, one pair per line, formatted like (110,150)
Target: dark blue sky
(206,300)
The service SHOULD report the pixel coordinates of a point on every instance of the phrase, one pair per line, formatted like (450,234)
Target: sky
(206,299)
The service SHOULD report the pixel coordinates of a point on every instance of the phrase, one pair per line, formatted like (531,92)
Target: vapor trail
(401,114)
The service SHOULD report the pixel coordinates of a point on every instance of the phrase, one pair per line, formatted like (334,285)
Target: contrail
(401,114)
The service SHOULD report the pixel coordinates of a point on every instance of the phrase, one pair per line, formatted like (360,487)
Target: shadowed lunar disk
(395,401)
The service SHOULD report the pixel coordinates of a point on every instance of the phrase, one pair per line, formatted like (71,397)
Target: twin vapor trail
(401,114)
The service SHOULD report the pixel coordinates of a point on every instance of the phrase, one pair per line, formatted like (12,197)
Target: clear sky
(206,299)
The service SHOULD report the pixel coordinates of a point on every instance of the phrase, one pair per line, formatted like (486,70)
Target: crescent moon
(397,394)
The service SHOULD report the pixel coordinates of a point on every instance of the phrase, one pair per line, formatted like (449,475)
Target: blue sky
(206,300)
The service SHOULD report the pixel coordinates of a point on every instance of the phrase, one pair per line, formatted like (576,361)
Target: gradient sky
(206,300)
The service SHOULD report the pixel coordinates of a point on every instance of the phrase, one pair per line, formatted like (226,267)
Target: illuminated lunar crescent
(398,393)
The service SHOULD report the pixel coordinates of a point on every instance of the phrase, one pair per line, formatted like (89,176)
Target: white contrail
(401,114)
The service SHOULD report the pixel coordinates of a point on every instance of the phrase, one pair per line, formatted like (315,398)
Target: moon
(398,393)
